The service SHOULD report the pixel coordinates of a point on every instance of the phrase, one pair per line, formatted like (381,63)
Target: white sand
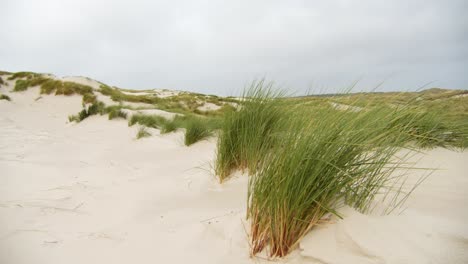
(91,193)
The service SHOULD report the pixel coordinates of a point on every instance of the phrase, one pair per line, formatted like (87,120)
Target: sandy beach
(90,192)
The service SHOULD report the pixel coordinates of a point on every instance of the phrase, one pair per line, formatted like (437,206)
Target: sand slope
(91,193)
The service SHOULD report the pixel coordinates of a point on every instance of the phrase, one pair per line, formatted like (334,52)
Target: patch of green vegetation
(169,126)
(306,159)
(21,85)
(69,88)
(89,98)
(116,113)
(143,132)
(196,129)
(5,97)
(247,134)
(27,75)
(93,109)
(153,121)
(119,96)
(2,82)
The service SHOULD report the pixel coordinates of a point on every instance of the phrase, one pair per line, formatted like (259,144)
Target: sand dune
(92,193)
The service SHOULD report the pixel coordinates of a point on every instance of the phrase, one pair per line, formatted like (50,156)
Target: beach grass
(196,129)
(246,135)
(114,113)
(306,161)
(93,109)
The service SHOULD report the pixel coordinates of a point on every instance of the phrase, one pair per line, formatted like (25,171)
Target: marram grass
(317,159)
(247,134)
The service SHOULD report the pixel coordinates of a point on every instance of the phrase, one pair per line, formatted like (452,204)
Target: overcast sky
(218,47)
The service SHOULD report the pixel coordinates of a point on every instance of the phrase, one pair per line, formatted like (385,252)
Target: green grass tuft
(93,109)
(117,113)
(306,160)
(153,121)
(21,85)
(27,75)
(196,130)
(247,134)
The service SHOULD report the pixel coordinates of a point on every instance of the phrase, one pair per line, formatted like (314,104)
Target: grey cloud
(219,46)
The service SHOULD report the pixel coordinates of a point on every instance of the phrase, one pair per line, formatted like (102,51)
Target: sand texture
(92,193)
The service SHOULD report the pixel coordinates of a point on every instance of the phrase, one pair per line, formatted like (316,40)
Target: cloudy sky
(218,47)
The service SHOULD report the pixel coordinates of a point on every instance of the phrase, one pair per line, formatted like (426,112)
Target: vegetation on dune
(183,103)
(143,132)
(2,82)
(153,121)
(118,96)
(312,160)
(27,75)
(48,86)
(196,129)
(21,85)
(247,134)
(116,113)
(5,97)
(93,109)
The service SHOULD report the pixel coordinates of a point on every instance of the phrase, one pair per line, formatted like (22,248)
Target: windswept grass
(119,96)
(27,75)
(196,129)
(305,162)
(2,82)
(153,121)
(246,135)
(21,85)
(93,109)
(116,113)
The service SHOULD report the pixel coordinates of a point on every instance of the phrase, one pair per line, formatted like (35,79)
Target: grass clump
(338,157)
(248,133)
(119,96)
(196,129)
(5,97)
(143,132)
(169,126)
(2,82)
(89,98)
(27,75)
(117,113)
(153,121)
(93,109)
(21,85)
(305,162)
(69,88)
